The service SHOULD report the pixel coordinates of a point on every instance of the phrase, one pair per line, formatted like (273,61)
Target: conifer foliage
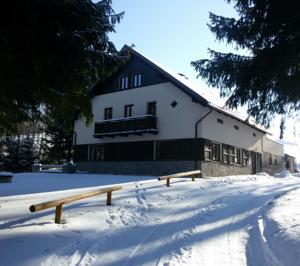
(268,78)
(57,143)
(17,154)
(51,53)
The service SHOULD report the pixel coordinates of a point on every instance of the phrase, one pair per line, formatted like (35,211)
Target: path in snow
(208,222)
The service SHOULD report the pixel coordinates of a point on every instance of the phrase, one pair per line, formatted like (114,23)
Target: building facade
(150,121)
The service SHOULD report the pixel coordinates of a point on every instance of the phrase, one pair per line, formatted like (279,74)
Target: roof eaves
(195,96)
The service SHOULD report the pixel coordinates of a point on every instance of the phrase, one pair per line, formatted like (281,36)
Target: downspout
(199,121)
(196,131)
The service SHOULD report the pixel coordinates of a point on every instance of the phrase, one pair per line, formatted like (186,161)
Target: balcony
(136,125)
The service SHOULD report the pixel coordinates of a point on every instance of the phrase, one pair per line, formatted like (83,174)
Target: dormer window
(136,80)
(123,82)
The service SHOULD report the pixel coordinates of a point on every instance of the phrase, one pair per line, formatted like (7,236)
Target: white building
(149,120)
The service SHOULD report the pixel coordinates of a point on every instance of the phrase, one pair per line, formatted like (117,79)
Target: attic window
(174,104)
(220,121)
(236,127)
(136,80)
(123,82)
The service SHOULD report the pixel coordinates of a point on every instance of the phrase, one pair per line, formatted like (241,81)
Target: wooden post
(193,177)
(58,214)
(108,201)
(168,182)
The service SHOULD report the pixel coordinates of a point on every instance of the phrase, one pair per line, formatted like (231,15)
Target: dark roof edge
(195,96)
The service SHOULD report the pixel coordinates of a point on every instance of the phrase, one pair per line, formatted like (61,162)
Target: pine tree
(51,54)
(268,79)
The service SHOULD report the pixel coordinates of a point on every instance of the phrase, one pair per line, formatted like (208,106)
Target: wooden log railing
(58,204)
(192,174)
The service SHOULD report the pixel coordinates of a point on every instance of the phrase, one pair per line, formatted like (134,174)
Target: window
(96,152)
(207,151)
(238,156)
(231,155)
(254,134)
(245,158)
(270,159)
(212,151)
(128,110)
(124,82)
(136,80)
(215,152)
(151,108)
(275,161)
(235,155)
(226,154)
(108,112)
(236,127)
(220,121)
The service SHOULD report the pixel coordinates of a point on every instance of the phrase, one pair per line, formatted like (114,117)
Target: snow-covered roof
(192,89)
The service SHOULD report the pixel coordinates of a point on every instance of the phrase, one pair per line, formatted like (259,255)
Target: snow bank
(282,228)
(6,173)
(28,183)
(218,221)
(283,174)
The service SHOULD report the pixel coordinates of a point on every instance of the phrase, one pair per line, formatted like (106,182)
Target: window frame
(96,153)
(148,108)
(126,79)
(226,154)
(213,151)
(135,83)
(128,110)
(245,157)
(108,113)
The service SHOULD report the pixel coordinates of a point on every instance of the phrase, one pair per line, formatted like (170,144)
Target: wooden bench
(60,202)
(192,174)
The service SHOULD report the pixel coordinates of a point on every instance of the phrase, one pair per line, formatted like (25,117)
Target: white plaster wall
(173,123)
(272,147)
(226,133)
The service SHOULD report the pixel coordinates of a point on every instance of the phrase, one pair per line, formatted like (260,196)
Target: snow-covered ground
(238,220)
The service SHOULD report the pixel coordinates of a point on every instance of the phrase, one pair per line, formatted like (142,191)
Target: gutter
(199,121)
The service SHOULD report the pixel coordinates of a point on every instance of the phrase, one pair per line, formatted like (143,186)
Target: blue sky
(171,32)
(174,33)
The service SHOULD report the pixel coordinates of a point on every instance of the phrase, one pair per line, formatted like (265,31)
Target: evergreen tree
(268,79)
(57,142)
(51,53)
(18,154)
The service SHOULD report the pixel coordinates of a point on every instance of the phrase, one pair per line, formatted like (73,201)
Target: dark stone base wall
(157,168)
(221,169)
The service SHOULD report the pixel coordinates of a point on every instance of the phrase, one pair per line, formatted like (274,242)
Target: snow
(283,174)
(236,220)
(5,173)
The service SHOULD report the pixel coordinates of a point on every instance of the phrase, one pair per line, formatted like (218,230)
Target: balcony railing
(137,125)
